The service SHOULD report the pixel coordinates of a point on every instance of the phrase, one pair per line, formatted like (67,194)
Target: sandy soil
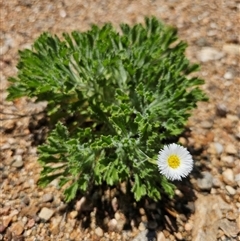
(206,206)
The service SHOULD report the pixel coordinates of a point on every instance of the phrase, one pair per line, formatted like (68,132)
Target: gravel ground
(206,206)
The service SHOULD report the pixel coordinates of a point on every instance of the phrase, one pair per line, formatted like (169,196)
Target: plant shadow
(113,209)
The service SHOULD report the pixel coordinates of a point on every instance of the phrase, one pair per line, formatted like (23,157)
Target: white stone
(45,213)
(218,147)
(228,176)
(230,190)
(62,13)
(228,75)
(99,232)
(206,182)
(112,224)
(208,54)
(17,161)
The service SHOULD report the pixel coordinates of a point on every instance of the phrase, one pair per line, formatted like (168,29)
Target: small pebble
(178,235)
(228,176)
(179,193)
(182,218)
(62,13)
(216,182)
(48,197)
(99,232)
(26,200)
(233,49)
(54,183)
(208,54)
(80,204)
(114,204)
(232,215)
(218,147)
(144,218)
(141,226)
(188,226)
(221,110)
(228,160)
(73,214)
(206,124)
(24,220)
(183,141)
(112,224)
(228,75)
(117,216)
(73,235)
(231,149)
(62,207)
(18,163)
(142,211)
(19,152)
(6,220)
(31,223)
(142,236)
(54,224)
(233,118)
(28,232)
(206,182)
(17,228)
(230,190)
(45,213)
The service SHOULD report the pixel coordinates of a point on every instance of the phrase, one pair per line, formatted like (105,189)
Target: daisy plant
(114,99)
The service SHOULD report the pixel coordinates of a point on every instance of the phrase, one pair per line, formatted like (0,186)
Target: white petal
(186,162)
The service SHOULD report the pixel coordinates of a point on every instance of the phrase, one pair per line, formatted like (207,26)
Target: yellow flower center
(173,161)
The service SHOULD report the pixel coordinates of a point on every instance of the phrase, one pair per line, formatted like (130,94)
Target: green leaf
(45,180)
(70,192)
(138,188)
(168,187)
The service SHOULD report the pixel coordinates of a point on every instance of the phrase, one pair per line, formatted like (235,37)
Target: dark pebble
(2,228)
(221,110)
(18,238)
(26,200)
(190,206)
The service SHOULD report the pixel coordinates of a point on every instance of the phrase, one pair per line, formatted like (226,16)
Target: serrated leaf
(45,180)
(70,192)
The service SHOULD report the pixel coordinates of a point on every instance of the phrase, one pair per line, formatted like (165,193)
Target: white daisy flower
(174,162)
